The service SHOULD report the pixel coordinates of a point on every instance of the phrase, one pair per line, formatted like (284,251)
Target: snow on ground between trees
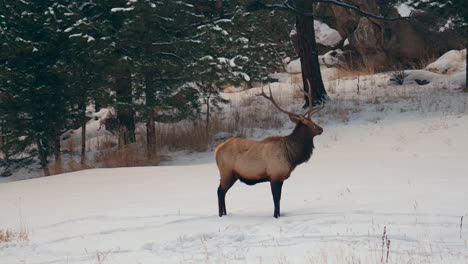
(392,156)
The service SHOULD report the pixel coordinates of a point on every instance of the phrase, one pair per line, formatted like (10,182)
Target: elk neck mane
(299,145)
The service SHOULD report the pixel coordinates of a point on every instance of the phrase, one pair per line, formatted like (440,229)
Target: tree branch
(213,20)
(171,55)
(258,5)
(359,10)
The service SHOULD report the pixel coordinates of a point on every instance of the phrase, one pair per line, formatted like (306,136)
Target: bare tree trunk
(57,152)
(306,45)
(150,126)
(3,138)
(466,70)
(125,112)
(43,158)
(150,138)
(308,53)
(97,106)
(207,113)
(83,133)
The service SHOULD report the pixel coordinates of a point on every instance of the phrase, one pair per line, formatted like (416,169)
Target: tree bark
(57,147)
(207,113)
(124,108)
(3,138)
(150,126)
(308,53)
(83,133)
(97,106)
(466,70)
(43,158)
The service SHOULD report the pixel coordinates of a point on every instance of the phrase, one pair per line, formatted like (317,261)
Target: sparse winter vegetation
(399,77)
(124,103)
(8,236)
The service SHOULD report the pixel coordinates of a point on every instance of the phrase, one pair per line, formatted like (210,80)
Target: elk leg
(224,186)
(276,191)
(221,204)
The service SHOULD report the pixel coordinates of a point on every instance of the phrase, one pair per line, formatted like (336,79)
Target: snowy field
(395,160)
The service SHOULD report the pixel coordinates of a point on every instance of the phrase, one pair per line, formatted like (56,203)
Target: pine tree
(157,44)
(260,48)
(86,64)
(34,96)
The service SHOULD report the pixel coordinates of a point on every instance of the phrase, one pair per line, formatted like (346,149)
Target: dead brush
(423,62)
(337,112)
(69,145)
(332,87)
(297,95)
(385,243)
(355,69)
(73,165)
(398,77)
(235,121)
(7,235)
(106,143)
(196,137)
(249,101)
(296,79)
(185,136)
(128,156)
(57,168)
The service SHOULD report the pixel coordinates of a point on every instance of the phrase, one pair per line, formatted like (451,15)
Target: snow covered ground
(392,156)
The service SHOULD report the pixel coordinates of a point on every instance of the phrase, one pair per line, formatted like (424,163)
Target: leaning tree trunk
(308,53)
(43,158)
(125,112)
(150,126)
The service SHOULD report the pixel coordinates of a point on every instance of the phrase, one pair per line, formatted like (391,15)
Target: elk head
(305,118)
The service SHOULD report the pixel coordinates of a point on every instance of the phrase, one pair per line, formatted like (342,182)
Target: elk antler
(312,110)
(270,98)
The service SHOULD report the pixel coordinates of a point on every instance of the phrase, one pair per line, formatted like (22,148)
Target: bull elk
(271,159)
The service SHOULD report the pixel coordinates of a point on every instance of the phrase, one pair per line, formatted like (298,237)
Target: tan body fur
(252,160)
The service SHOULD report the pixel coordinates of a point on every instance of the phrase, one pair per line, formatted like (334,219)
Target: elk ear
(294,119)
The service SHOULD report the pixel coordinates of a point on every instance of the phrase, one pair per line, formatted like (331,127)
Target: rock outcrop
(383,44)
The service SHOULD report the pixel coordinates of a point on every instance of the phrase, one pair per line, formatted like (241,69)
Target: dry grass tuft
(338,112)
(70,166)
(423,62)
(8,235)
(195,136)
(69,146)
(186,135)
(361,69)
(106,142)
(127,156)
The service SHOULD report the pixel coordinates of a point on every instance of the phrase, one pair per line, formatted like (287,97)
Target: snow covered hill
(406,172)
(392,157)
